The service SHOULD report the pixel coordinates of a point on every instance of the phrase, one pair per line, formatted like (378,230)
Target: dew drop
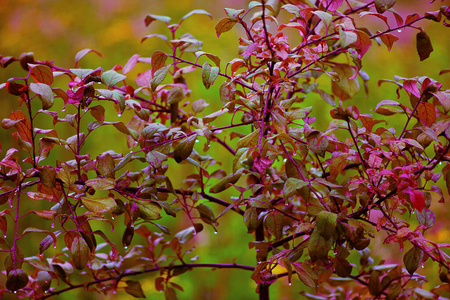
(119,115)
(285,160)
(290,283)
(197,141)
(125,247)
(114,292)
(112,218)
(215,232)
(4,236)
(63,109)
(423,267)
(399,30)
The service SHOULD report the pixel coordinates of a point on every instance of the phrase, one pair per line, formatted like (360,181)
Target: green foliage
(333,192)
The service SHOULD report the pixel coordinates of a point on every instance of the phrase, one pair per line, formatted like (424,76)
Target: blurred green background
(57,30)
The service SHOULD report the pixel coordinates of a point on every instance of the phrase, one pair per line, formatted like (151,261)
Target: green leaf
(248,141)
(184,148)
(324,16)
(306,274)
(209,74)
(318,246)
(122,162)
(134,289)
(155,159)
(45,94)
(99,205)
(206,213)
(292,185)
(347,38)
(111,77)
(120,100)
(251,219)
(412,259)
(159,76)
(226,182)
(348,83)
(186,234)
(326,223)
(176,95)
(80,252)
(149,211)
(101,184)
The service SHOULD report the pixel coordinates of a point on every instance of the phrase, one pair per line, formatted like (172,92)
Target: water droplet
(63,109)
(15,292)
(197,141)
(290,283)
(114,292)
(125,247)
(215,232)
(423,267)
(119,115)
(285,160)
(4,236)
(112,217)
(399,30)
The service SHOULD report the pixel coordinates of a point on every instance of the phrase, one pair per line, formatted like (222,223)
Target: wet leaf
(159,76)
(423,44)
(184,148)
(150,18)
(44,280)
(80,252)
(99,205)
(292,185)
(130,63)
(382,5)
(427,113)
(83,52)
(17,279)
(176,95)
(111,77)
(44,92)
(101,184)
(42,73)
(149,211)
(306,274)
(325,224)
(134,289)
(224,25)
(426,218)
(209,74)
(412,259)
(226,182)
(158,60)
